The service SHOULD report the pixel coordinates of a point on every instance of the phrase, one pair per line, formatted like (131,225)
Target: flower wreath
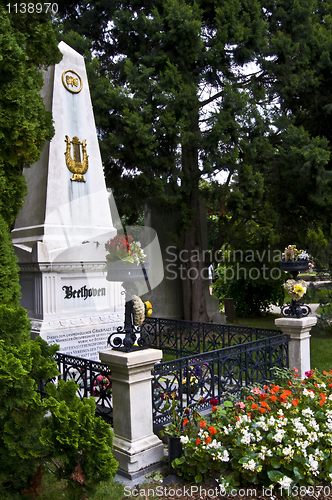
(296,289)
(138,310)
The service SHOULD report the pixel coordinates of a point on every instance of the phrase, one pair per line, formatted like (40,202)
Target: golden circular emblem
(72,81)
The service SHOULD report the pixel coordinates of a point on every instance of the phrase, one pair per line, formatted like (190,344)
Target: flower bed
(278,436)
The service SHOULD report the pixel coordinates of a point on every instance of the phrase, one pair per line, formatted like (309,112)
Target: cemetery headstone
(60,234)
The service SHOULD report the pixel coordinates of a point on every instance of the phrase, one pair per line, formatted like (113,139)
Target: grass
(266,321)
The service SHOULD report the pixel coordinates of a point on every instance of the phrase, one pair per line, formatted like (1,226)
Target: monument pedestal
(299,344)
(135,446)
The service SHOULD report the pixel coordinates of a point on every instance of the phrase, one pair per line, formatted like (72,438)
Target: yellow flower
(148,308)
(299,290)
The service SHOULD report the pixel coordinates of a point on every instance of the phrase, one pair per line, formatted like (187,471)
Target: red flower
(212,431)
(202,423)
(254,406)
(250,397)
(185,421)
(214,401)
(198,441)
(215,408)
(295,402)
(208,440)
(290,383)
(273,398)
(187,411)
(262,410)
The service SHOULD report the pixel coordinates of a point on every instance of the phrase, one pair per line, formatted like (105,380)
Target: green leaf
(298,474)
(275,475)
(275,463)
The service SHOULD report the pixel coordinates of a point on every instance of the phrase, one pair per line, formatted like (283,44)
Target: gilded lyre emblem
(72,81)
(77,166)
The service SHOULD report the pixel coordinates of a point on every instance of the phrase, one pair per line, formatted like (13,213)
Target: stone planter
(126,271)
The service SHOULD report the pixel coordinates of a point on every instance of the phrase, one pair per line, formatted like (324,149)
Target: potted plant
(294,260)
(125,259)
(174,429)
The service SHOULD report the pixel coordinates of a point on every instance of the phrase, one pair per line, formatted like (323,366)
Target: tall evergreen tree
(172,109)
(176,102)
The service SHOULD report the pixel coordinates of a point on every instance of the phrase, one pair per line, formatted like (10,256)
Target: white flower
(184,439)
(307,412)
(285,482)
(288,451)
(259,436)
(214,444)
(313,424)
(246,439)
(278,437)
(313,465)
(271,421)
(263,425)
(308,393)
(299,426)
(264,451)
(303,256)
(224,457)
(251,465)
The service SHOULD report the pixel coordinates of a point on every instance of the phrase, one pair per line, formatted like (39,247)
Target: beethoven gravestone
(60,234)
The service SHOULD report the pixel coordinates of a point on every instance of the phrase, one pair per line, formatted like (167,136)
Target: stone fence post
(137,449)
(299,344)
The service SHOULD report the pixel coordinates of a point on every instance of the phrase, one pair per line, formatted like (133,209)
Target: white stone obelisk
(60,234)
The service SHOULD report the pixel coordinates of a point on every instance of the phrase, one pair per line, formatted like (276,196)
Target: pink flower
(308,374)
(241,405)
(256,390)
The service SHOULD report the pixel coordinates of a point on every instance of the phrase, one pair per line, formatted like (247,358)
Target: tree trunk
(193,270)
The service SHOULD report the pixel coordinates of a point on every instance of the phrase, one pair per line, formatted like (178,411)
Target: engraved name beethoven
(83,292)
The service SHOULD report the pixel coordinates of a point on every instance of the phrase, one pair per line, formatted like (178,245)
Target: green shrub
(251,297)
(35,432)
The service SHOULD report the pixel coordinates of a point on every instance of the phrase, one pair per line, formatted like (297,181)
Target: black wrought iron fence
(246,358)
(93,379)
(213,374)
(183,338)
